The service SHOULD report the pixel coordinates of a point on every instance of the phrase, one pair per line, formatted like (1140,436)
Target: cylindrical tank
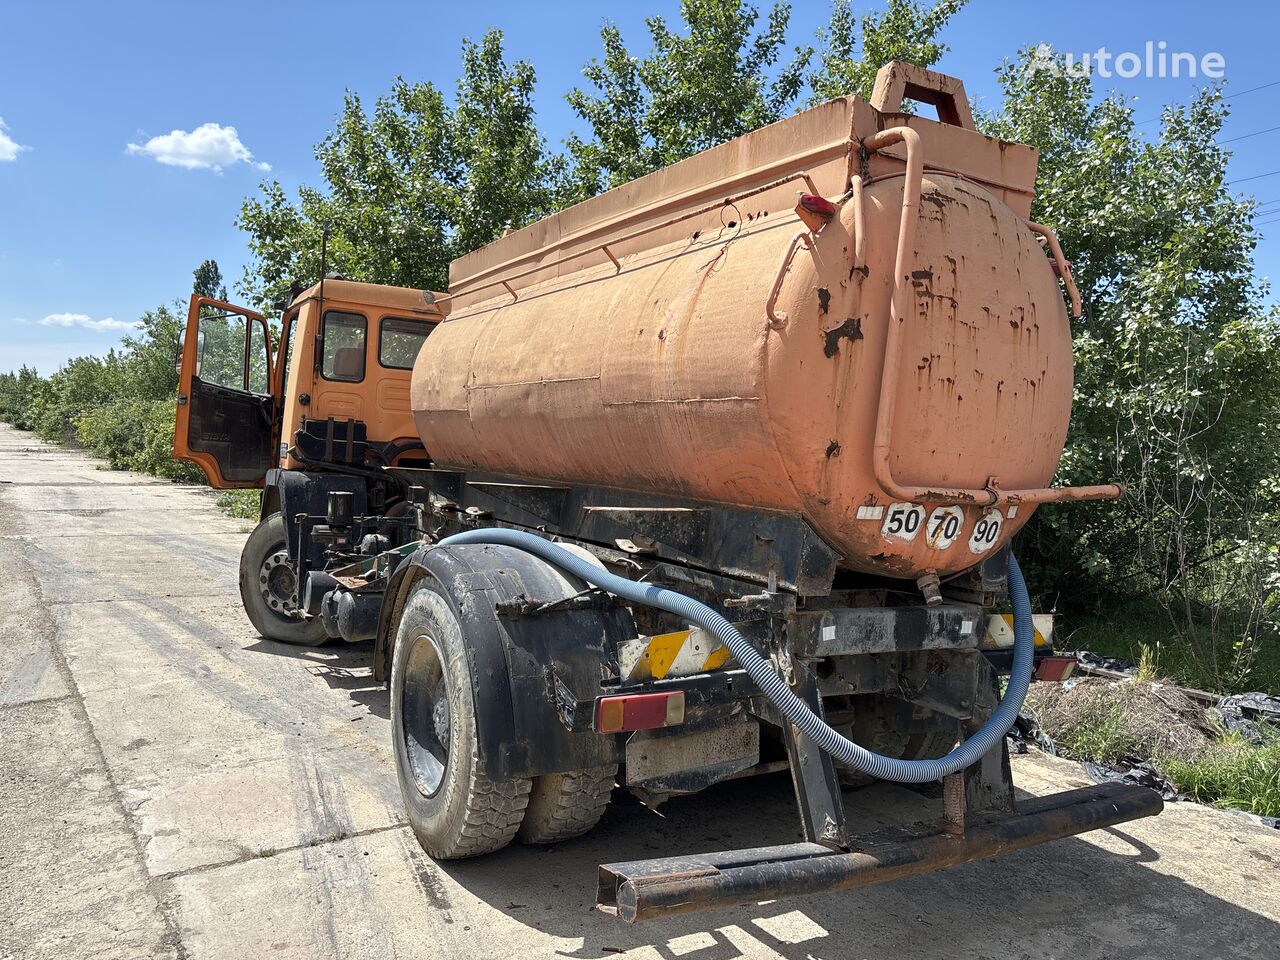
(686,373)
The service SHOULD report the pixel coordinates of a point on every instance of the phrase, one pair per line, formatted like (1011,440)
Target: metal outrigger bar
(646,889)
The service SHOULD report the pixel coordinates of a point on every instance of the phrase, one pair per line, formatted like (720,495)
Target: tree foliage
(853,48)
(411,184)
(1177,389)
(721,74)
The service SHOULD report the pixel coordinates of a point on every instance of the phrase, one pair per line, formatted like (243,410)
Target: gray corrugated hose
(774,687)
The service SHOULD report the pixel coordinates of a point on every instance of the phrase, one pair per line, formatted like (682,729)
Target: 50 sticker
(902,521)
(986,531)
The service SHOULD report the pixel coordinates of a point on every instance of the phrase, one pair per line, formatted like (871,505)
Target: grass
(1103,721)
(242,504)
(1233,774)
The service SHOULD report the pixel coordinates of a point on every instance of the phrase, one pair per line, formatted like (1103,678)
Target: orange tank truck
(716,475)
(889,358)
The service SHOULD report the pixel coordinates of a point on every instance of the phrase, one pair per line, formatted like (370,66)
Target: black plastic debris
(1131,770)
(1088,658)
(1026,732)
(1247,714)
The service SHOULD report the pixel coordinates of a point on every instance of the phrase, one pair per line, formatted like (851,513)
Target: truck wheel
(878,736)
(566,805)
(267,587)
(455,810)
(887,743)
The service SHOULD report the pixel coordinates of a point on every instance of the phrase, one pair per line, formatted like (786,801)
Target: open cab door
(226,411)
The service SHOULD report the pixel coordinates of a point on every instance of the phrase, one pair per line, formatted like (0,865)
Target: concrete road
(172,785)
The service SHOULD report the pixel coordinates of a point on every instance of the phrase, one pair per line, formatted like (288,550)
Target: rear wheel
(566,805)
(455,810)
(900,732)
(267,588)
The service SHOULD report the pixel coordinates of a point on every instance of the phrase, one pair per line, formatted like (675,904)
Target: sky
(131,132)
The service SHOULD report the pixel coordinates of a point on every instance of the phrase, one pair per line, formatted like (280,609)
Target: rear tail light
(819,205)
(641,711)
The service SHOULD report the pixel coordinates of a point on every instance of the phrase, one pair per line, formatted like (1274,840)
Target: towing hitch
(646,889)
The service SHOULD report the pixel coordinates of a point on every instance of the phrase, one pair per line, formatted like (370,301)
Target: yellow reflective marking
(663,650)
(717,658)
(1039,637)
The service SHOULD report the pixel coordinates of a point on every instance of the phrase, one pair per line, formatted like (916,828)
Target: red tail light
(642,711)
(819,205)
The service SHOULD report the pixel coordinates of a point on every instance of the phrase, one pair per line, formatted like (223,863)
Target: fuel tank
(741,329)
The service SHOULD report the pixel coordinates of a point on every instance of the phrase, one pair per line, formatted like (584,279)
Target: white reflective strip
(966,627)
(1012,511)
(828,634)
(870,513)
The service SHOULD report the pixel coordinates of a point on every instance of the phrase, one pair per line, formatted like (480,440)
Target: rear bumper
(645,889)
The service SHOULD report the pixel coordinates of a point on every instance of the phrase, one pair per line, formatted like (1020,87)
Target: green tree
(720,75)
(854,47)
(699,86)
(411,184)
(1177,388)
(208,281)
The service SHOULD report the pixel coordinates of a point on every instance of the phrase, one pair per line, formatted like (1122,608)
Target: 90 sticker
(902,521)
(986,531)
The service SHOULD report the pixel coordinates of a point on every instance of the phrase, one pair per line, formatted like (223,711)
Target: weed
(1232,774)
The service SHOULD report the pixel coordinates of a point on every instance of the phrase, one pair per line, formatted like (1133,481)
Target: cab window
(231,351)
(399,342)
(344,346)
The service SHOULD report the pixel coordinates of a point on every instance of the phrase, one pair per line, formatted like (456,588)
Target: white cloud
(207,147)
(9,148)
(84,321)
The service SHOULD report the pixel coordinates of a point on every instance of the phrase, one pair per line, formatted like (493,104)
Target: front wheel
(455,810)
(267,588)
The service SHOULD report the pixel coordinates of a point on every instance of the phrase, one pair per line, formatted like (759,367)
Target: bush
(1098,720)
(244,504)
(137,435)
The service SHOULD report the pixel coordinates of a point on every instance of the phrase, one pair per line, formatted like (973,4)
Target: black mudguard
(518,660)
(300,491)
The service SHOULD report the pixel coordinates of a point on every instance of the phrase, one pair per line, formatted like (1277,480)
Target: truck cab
(315,405)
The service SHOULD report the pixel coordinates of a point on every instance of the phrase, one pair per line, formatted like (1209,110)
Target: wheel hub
(425,715)
(277,583)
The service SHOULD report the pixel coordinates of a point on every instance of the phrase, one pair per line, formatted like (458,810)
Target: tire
(455,810)
(566,805)
(877,733)
(266,586)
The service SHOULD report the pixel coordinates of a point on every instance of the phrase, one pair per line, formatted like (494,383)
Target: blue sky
(93,231)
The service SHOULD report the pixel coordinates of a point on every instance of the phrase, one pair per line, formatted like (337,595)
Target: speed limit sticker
(943,526)
(986,531)
(902,521)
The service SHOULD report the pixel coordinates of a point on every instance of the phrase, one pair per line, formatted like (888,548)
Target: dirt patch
(1097,719)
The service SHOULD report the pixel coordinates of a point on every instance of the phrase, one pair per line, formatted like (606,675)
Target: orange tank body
(894,366)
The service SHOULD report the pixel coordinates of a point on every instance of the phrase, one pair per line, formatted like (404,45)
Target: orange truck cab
(318,406)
